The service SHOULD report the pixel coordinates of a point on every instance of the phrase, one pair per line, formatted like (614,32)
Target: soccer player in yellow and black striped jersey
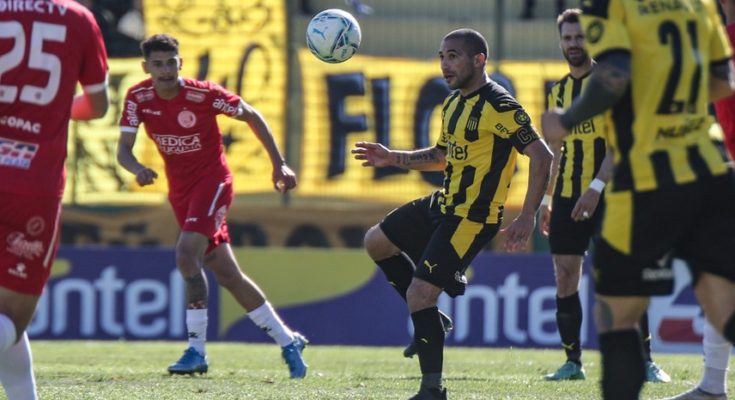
(582,165)
(425,246)
(659,64)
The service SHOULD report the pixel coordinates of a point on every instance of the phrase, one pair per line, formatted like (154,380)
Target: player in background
(671,192)
(581,161)
(716,348)
(46,48)
(179,115)
(426,245)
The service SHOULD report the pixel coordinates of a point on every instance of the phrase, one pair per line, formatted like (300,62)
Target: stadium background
(116,263)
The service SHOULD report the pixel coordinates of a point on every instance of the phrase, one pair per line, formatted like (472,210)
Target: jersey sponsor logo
(222,105)
(131,109)
(170,144)
(521,118)
(18,271)
(35,225)
(41,7)
(678,131)
(456,152)
(196,97)
(20,123)
(144,96)
(149,111)
(186,119)
(17,154)
(21,247)
(594,32)
(585,127)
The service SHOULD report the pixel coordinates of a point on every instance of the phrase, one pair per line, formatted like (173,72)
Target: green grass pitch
(79,370)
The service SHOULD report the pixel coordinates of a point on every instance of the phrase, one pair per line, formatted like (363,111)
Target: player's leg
(29,232)
(190,250)
(654,373)
(246,292)
(713,385)
(568,272)
(396,266)
(454,244)
(16,365)
(620,345)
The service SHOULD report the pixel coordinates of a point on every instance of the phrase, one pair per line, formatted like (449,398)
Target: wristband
(546,200)
(597,185)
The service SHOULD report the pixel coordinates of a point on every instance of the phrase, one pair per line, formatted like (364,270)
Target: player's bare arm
(609,81)
(587,203)
(545,208)
(90,105)
(283,177)
(377,155)
(721,82)
(125,157)
(520,230)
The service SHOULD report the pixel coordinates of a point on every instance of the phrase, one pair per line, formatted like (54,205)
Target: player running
(179,115)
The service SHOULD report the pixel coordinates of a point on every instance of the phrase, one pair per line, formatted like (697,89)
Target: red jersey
(46,47)
(184,129)
(725,108)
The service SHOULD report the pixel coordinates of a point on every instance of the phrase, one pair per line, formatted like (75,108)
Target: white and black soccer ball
(333,35)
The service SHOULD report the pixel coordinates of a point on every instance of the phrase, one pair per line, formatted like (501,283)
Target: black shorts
(642,232)
(441,246)
(567,236)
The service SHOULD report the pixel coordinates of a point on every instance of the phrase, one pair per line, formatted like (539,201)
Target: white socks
(267,319)
(716,359)
(16,371)
(196,325)
(7,332)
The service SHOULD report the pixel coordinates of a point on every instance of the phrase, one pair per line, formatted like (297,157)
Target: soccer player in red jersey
(179,115)
(46,47)
(726,108)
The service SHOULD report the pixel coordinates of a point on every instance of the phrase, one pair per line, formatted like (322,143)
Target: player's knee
(377,244)
(421,295)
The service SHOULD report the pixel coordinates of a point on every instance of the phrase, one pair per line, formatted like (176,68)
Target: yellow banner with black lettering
(240,44)
(397,103)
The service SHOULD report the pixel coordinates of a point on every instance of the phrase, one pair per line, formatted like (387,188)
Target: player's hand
(518,232)
(146,176)
(586,205)
(551,125)
(284,179)
(544,219)
(373,154)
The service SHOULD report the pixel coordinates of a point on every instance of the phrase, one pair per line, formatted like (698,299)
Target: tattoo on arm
(196,291)
(424,156)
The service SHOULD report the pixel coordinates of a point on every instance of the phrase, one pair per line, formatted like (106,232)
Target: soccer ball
(333,36)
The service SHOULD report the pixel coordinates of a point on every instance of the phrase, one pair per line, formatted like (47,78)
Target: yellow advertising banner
(240,44)
(398,103)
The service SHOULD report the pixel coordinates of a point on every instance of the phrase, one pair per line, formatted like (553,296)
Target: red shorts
(203,209)
(29,232)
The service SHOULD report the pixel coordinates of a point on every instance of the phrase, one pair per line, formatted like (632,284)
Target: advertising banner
(333,297)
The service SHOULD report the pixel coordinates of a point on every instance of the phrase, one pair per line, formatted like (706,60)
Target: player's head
(463,56)
(571,37)
(161,60)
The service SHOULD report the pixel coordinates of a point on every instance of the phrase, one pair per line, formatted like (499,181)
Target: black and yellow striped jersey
(584,149)
(482,134)
(660,125)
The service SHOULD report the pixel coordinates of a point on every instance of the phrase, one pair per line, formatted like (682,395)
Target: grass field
(81,370)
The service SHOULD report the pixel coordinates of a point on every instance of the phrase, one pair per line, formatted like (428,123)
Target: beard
(578,60)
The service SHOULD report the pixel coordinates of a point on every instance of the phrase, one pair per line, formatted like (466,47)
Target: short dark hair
(159,42)
(570,15)
(474,42)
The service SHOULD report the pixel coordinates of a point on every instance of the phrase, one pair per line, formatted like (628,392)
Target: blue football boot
(292,356)
(191,362)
